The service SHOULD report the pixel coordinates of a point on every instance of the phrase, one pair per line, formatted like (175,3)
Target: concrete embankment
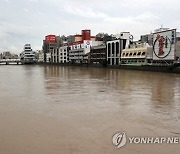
(153,68)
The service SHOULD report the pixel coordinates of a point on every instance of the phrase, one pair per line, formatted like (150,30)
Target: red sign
(50,38)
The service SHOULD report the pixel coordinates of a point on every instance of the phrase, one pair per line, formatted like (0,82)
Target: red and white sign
(50,38)
(87,44)
(164,45)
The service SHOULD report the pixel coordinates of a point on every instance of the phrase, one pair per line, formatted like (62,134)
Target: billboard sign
(50,38)
(164,45)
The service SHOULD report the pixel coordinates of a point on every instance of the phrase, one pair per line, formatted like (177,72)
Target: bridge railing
(10,60)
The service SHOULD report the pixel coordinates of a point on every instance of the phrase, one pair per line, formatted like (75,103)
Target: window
(109,49)
(112,61)
(113,46)
(117,61)
(108,60)
(143,54)
(117,48)
(139,53)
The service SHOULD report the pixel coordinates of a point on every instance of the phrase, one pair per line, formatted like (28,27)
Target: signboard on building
(87,44)
(50,38)
(164,45)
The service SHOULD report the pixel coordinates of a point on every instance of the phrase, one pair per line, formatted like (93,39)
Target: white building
(60,55)
(115,47)
(79,53)
(48,57)
(40,56)
(28,55)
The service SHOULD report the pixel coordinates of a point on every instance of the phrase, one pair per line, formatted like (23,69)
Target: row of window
(60,54)
(77,46)
(132,61)
(98,53)
(133,54)
(76,55)
(61,61)
(60,57)
(60,50)
(72,52)
(97,58)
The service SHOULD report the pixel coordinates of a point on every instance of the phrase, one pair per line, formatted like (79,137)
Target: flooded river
(55,109)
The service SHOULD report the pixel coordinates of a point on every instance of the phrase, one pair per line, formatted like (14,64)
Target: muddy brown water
(54,109)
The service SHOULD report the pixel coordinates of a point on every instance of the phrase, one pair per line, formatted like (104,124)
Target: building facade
(61,55)
(77,53)
(28,55)
(80,52)
(148,38)
(6,55)
(48,46)
(115,47)
(137,53)
(50,43)
(40,56)
(80,49)
(98,55)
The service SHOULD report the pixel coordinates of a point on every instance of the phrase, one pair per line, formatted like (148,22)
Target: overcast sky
(28,21)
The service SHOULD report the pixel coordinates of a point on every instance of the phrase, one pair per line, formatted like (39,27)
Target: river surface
(55,109)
